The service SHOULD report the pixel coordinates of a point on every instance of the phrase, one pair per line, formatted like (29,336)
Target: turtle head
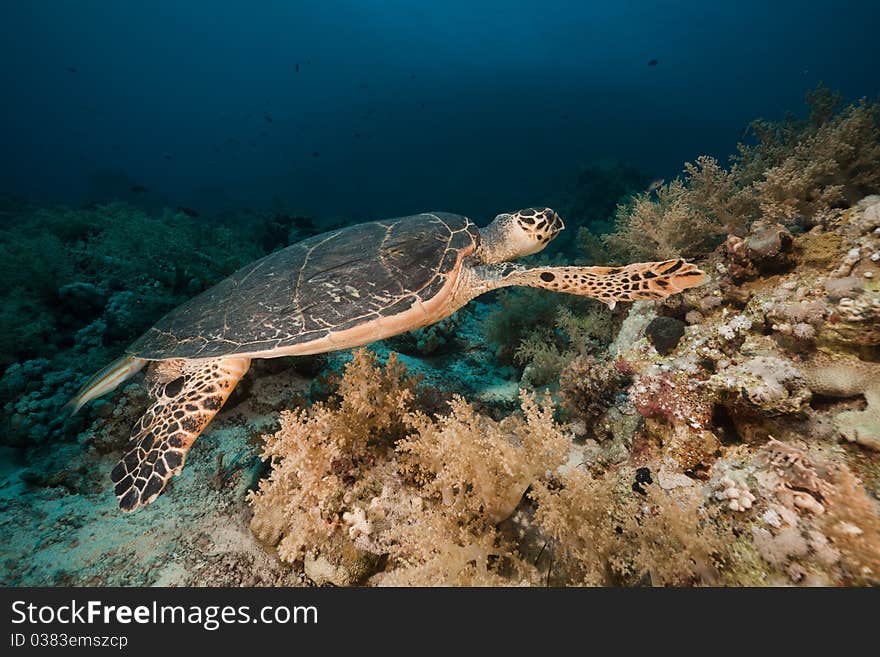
(517,234)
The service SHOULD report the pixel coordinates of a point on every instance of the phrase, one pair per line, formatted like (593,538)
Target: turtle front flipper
(186,395)
(635,282)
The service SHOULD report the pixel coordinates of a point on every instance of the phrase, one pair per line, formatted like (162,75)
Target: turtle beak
(556,223)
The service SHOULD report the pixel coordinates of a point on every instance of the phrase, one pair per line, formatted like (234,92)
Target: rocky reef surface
(729,435)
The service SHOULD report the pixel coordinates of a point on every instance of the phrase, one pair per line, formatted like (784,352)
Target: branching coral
(833,162)
(370,474)
(543,332)
(604,533)
(503,459)
(687,217)
(547,348)
(542,359)
(798,172)
(521,312)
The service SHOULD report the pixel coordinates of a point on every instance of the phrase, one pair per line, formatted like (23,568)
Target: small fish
(412,76)
(653,62)
(189,212)
(357,135)
(267,117)
(167,156)
(72,69)
(296,68)
(655,185)
(315,153)
(138,189)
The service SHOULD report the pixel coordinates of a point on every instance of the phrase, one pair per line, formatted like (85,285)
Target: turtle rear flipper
(186,396)
(641,281)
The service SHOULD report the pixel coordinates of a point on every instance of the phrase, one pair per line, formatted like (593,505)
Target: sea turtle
(338,290)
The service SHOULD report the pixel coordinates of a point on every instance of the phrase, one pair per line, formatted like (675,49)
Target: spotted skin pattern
(541,224)
(186,396)
(642,281)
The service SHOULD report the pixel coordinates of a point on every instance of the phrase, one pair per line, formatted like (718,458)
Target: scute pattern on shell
(329,282)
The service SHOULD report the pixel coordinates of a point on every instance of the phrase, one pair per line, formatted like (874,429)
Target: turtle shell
(320,286)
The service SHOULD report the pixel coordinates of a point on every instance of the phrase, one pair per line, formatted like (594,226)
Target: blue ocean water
(367,109)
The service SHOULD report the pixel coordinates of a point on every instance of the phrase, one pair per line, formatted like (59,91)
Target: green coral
(80,285)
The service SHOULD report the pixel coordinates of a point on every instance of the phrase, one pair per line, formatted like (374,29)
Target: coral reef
(686,217)
(798,172)
(808,169)
(368,475)
(849,377)
(80,289)
(764,355)
(729,435)
(367,488)
(546,334)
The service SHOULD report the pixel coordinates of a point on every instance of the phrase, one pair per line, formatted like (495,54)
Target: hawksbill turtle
(338,290)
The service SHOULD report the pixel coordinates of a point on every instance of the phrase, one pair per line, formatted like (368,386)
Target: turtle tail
(105,380)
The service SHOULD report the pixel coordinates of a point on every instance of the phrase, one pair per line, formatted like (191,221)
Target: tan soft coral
(853,525)
(503,458)
(603,533)
(370,475)
(686,217)
(579,515)
(435,550)
(321,453)
(367,479)
(832,164)
(799,171)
